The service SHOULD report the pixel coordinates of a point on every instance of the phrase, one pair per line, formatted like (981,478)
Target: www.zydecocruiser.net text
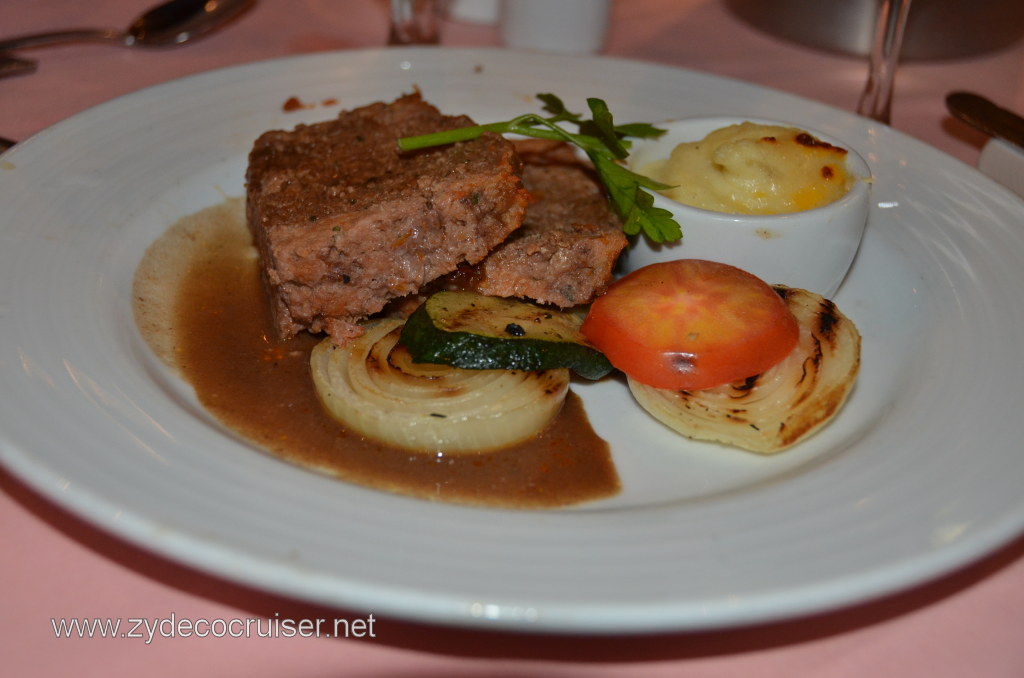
(149,629)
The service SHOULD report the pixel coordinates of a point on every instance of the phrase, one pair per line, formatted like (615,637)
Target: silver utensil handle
(58,37)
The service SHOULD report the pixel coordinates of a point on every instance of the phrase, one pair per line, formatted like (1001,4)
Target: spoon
(170,23)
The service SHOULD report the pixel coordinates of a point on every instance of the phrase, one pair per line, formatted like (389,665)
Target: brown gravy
(202,277)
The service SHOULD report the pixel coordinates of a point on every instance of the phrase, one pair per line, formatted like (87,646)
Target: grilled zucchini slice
(477,332)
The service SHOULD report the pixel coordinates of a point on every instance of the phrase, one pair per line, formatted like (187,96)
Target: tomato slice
(691,324)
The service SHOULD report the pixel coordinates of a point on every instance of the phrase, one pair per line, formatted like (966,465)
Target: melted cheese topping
(750,168)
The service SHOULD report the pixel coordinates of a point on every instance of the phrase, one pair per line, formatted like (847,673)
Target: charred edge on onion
(828,319)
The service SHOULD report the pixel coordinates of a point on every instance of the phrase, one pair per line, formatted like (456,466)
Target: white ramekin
(812,250)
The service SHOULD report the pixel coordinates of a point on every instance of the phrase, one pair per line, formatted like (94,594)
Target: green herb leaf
(605,130)
(641,130)
(557,109)
(635,205)
(656,222)
(604,142)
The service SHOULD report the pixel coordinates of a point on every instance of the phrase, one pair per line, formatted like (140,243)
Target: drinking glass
(414,22)
(876,99)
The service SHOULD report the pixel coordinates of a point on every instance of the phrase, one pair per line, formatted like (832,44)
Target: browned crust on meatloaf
(344,222)
(566,250)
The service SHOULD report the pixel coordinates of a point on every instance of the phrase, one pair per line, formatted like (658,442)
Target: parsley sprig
(604,142)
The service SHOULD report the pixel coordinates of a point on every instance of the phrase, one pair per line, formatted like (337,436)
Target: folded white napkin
(1004,163)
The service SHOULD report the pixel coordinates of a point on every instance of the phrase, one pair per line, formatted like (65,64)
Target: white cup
(578,26)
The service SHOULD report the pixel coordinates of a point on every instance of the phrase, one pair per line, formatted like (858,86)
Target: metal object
(986,116)
(171,23)
(936,29)
(10,65)
(876,99)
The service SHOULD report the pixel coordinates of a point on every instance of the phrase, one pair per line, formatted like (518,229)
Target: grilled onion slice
(772,411)
(372,386)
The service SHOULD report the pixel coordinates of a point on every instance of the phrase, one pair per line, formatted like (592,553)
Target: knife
(984,115)
(10,65)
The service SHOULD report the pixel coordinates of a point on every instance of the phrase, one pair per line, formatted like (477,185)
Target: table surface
(56,566)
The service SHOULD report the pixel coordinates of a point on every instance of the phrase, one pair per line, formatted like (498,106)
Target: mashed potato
(754,169)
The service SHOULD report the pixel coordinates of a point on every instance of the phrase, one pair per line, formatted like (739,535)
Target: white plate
(920,473)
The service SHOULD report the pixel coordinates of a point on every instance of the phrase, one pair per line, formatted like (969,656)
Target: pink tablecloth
(55,566)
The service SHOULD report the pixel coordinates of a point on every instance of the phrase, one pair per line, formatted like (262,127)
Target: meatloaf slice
(570,239)
(344,222)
